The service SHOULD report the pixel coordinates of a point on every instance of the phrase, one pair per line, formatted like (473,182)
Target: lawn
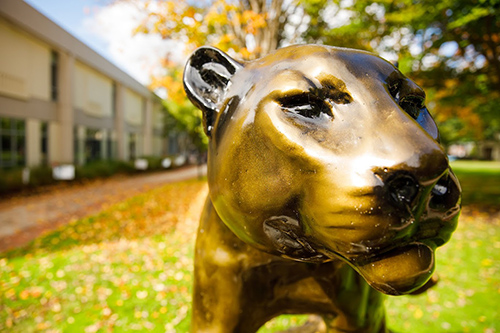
(129,268)
(480,182)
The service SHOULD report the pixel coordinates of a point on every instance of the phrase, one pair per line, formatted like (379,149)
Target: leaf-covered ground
(129,268)
(467,297)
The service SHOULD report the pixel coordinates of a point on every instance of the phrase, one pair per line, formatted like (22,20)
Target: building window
(93,145)
(113,99)
(132,146)
(44,143)
(173,144)
(12,143)
(76,147)
(54,64)
(111,145)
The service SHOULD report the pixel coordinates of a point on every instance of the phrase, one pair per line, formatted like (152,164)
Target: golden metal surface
(328,188)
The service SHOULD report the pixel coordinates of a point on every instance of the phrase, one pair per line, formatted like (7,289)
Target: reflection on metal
(328,188)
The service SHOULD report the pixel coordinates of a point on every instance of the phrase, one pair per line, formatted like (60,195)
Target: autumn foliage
(451,48)
(245,29)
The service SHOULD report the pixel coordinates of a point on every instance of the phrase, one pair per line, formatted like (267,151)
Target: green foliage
(480,182)
(103,168)
(154,162)
(184,116)
(471,17)
(451,48)
(41,175)
(11,179)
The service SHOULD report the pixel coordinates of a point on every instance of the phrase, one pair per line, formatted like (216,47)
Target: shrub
(103,169)
(41,175)
(11,180)
(154,162)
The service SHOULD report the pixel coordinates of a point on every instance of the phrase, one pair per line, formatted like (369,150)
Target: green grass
(129,268)
(467,298)
(480,181)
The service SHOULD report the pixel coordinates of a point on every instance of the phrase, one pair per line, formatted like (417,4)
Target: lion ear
(206,77)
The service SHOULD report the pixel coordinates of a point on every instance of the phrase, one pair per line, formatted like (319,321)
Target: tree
(247,29)
(451,47)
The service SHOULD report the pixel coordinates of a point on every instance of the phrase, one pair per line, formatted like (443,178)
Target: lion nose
(445,194)
(402,189)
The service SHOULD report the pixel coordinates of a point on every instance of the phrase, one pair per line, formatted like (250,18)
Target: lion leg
(222,299)
(216,303)
(359,308)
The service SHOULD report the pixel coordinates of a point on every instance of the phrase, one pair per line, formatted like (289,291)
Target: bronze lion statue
(328,188)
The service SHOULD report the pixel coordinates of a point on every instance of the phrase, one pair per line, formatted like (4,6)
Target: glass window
(5,123)
(19,151)
(113,99)
(6,149)
(12,143)
(172,144)
(110,145)
(44,143)
(76,146)
(53,75)
(93,139)
(20,126)
(132,145)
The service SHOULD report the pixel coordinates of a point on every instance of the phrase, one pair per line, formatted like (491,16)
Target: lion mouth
(434,232)
(432,222)
(400,270)
(391,247)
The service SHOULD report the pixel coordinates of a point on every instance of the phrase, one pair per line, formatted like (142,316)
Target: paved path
(24,218)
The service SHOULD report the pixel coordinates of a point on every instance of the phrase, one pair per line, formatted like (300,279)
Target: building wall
(24,65)
(134,107)
(33,142)
(60,102)
(93,92)
(25,93)
(489,150)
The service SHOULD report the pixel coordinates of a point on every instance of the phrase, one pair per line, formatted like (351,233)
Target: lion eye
(394,90)
(306,104)
(411,104)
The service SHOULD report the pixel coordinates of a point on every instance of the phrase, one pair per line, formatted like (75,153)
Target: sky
(107,29)
(71,15)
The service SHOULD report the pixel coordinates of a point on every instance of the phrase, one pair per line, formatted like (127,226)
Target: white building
(61,102)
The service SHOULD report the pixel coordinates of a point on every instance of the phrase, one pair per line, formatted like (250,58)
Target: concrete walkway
(24,218)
